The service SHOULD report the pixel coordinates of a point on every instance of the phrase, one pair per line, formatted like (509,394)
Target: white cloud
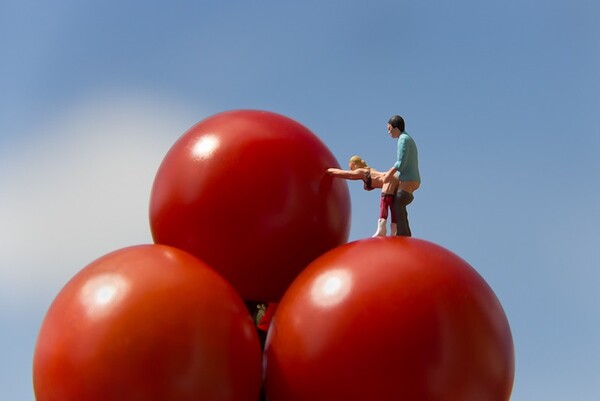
(78,187)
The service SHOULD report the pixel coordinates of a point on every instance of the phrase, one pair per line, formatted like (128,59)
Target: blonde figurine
(359,170)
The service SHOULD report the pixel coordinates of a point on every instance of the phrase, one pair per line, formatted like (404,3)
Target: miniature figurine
(406,170)
(359,170)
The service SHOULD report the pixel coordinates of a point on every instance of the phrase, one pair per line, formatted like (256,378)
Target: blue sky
(502,97)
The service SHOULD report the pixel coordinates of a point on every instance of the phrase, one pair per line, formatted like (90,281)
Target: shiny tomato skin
(151,323)
(247,192)
(393,318)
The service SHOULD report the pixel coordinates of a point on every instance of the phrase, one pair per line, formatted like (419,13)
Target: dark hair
(397,122)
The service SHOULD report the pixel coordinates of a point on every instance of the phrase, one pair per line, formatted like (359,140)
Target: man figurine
(407,170)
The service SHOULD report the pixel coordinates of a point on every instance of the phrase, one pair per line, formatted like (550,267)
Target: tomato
(393,318)
(247,192)
(149,323)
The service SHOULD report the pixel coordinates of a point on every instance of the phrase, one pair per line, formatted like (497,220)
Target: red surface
(246,191)
(147,323)
(391,318)
(265,320)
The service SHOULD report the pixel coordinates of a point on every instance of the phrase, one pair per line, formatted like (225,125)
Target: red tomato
(147,323)
(392,318)
(247,192)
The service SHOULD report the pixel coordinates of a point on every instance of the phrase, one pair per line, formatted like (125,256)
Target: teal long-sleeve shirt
(407,162)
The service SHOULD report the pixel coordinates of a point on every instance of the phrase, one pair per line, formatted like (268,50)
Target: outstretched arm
(357,174)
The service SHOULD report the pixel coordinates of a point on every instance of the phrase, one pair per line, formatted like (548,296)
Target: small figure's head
(395,126)
(357,162)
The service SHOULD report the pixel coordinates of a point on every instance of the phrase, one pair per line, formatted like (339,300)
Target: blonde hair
(358,161)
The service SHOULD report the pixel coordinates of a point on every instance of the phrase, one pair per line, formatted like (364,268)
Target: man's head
(395,126)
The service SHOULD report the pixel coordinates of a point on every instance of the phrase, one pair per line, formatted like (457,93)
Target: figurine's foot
(393,229)
(381,231)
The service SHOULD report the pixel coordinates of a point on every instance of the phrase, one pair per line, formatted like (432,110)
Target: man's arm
(389,175)
(400,162)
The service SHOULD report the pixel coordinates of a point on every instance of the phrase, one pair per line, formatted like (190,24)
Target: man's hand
(387,177)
